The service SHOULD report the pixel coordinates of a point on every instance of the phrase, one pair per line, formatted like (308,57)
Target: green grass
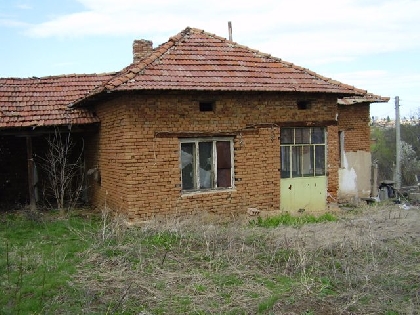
(37,260)
(289,220)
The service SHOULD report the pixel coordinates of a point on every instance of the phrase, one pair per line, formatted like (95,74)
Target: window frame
(295,151)
(214,165)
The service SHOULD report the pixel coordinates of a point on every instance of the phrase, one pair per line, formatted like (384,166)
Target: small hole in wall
(206,106)
(303,105)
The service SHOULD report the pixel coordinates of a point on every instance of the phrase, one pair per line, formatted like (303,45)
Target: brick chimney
(141,49)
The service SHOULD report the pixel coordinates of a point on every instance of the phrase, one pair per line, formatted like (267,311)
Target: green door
(303,183)
(303,194)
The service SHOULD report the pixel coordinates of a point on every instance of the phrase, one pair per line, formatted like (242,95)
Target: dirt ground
(372,226)
(366,262)
(378,222)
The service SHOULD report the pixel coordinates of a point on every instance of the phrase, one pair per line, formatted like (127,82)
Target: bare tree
(64,170)
(410,165)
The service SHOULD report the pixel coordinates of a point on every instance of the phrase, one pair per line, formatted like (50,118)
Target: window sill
(186,193)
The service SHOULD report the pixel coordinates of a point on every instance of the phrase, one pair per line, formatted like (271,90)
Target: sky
(370,44)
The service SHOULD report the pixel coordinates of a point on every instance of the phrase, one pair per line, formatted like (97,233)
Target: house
(201,123)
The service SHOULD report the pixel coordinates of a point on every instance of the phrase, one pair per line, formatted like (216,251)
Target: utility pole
(398,144)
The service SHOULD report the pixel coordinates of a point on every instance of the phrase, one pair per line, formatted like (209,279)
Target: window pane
(285,162)
(224,177)
(302,135)
(223,154)
(318,135)
(308,160)
(286,136)
(205,152)
(187,164)
(297,161)
(319,160)
(224,164)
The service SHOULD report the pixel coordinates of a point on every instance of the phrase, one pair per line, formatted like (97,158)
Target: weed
(38,260)
(364,263)
(289,220)
(268,303)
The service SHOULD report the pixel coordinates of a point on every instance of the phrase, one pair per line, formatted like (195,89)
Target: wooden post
(375,181)
(32,201)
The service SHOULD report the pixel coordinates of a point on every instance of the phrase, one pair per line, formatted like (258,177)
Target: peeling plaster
(354,177)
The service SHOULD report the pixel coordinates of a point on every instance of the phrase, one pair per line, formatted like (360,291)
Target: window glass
(187,165)
(318,135)
(205,151)
(285,161)
(307,160)
(297,161)
(224,164)
(319,160)
(302,152)
(302,135)
(286,136)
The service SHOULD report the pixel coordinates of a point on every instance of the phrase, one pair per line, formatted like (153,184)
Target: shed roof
(197,60)
(35,102)
(367,98)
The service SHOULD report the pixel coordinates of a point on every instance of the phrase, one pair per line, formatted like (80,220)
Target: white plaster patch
(348,178)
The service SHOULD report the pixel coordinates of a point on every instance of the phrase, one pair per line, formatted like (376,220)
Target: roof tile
(44,101)
(197,60)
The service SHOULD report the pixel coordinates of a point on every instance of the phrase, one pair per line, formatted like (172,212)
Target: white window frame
(196,176)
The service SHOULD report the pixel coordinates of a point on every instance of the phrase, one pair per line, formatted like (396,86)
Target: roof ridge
(134,69)
(224,39)
(171,62)
(29,80)
(286,63)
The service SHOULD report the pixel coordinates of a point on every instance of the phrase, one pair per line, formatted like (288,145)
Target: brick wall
(355,172)
(138,144)
(105,151)
(354,121)
(333,163)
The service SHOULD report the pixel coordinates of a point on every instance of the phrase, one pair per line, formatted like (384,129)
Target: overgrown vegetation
(38,258)
(360,262)
(384,152)
(288,219)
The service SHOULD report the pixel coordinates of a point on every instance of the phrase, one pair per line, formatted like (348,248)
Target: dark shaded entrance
(24,180)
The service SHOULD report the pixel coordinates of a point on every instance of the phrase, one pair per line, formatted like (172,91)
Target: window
(206,163)
(302,152)
(302,105)
(206,106)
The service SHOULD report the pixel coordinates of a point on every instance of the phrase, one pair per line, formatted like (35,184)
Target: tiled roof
(197,60)
(367,98)
(44,101)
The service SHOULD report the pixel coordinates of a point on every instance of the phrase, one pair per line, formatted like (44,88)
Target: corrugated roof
(31,102)
(197,60)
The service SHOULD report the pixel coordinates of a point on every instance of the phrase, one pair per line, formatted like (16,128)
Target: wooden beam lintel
(195,134)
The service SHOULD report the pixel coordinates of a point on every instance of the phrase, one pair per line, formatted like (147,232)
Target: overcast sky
(371,44)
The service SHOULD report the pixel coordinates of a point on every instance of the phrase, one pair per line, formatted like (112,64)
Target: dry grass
(365,263)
